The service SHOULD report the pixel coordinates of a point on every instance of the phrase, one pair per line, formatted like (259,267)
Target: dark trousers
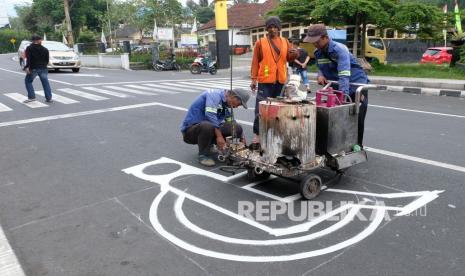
(362,113)
(265,90)
(43,75)
(361,122)
(203,134)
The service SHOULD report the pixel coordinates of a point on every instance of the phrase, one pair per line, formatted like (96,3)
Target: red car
(437,55)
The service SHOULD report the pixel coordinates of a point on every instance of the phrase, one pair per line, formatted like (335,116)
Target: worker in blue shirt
(208,120)
(336,63)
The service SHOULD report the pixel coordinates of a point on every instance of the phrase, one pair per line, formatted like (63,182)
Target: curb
(419,90)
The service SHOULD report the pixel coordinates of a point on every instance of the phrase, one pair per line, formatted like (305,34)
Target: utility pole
(109,25)
(68,23)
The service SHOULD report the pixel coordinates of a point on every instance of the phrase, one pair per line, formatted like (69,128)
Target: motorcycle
(165,65)
(203,64)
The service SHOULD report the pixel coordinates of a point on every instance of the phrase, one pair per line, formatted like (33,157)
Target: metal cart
(298,137)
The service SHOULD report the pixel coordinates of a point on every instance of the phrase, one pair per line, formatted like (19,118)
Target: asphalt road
(81,191)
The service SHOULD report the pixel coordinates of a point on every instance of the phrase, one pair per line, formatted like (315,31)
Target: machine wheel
(195,69)
(213,71)
(176,67)
(253,176)
(75,70)
(310,186)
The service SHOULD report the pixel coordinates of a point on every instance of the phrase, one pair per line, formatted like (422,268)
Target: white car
(21,53)
(61,56)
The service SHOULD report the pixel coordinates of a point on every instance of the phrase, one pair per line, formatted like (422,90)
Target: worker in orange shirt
(269,67)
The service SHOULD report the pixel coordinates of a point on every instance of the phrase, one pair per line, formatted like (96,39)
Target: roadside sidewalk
(434,87)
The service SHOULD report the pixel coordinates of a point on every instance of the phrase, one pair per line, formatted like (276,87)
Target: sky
(10,5)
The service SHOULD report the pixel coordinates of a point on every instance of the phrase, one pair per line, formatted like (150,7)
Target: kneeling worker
(208,120)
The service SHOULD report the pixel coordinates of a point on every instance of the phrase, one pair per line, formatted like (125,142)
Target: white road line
(162,88)
(82,94)
(150,89)
(128,107)
(21,98)
(132,91)
(9,264)
(23,74)
(4,108)
(417,111)
(234,84)
(107,92)
(417,159)
(77,114)
(58,98)
(186,86)
(211,86)
(156,81)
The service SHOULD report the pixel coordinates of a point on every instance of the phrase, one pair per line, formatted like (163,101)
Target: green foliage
(294,11)
(6,35)
(86,36)
(349,11)
(418,71)
(424,20)
(204,14)
(462,55)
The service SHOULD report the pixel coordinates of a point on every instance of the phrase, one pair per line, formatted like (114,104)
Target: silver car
(61,56)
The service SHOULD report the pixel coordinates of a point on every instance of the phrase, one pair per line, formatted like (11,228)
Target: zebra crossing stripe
(82,94)
(207,86)
(58,98)
(129,90)
(21,98)
(234,85)
(107,92)
(162,88)
(4,108)
(188,86)
(150,89)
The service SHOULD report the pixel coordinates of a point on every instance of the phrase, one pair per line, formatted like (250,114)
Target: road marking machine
(299,135)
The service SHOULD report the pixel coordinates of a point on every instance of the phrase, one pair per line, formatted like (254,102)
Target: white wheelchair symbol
(421,198)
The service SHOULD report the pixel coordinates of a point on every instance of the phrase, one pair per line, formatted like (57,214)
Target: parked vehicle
(437,55)
(166,65)
(374,46)
(21,53)
(203,64)
(61,56)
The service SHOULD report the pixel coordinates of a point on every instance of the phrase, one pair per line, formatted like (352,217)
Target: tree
(295,11)
(203,3)
(357,12)
(424,20)
(204,14)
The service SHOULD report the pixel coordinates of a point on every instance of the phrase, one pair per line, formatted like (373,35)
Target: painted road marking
(129,107)
(132,91)
(21,98)
(58,98)
(418,111)
(163,88)
(82,94)
(9,264)
(4,108)
(23,74)
(155,81)
(107,92)
(188,86)
(150,89)
(379,209)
